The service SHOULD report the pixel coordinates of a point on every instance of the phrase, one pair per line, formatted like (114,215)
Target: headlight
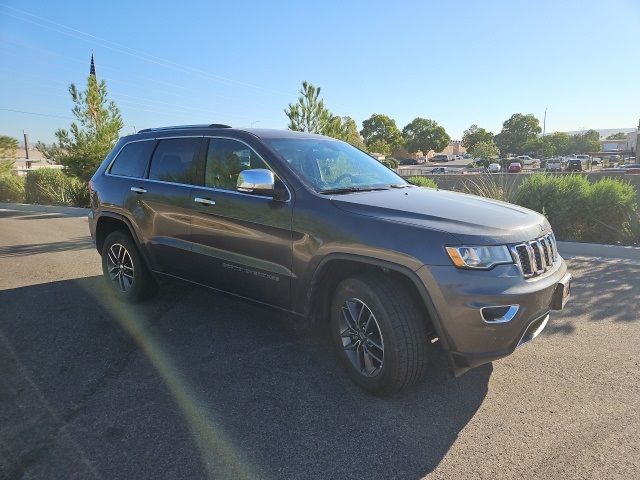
(479,257)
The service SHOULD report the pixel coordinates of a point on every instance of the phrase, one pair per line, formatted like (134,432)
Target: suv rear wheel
(379,333)
(124,269)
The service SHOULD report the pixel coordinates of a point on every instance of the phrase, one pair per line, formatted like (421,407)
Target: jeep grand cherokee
(316,227)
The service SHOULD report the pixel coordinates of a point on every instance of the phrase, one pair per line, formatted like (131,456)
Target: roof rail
(183,127)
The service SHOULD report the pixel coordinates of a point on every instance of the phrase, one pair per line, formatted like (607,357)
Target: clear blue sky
(457,62)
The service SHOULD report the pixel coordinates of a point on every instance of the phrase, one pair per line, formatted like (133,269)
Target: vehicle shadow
(601,290)
(194,384)
(49,247)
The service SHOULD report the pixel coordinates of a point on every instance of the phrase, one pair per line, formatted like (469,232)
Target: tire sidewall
(136,290)
(357,288)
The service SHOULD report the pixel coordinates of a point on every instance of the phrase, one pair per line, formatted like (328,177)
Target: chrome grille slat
(535,256)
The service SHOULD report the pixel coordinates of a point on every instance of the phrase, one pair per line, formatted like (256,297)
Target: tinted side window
(132,159)
(174,161)
(226,158)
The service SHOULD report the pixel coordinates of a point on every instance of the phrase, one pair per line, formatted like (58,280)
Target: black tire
(402,327)
(142,285)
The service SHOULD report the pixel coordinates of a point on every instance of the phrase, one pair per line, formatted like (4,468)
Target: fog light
(499,314)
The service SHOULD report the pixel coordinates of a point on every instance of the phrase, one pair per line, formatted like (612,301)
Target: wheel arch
(108,222)
(337,266)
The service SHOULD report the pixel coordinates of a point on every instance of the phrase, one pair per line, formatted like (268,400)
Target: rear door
(241,241)
(163,207)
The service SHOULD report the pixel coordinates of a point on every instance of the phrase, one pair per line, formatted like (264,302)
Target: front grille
(536,256)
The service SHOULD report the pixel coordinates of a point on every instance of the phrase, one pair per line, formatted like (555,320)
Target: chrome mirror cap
(256,180)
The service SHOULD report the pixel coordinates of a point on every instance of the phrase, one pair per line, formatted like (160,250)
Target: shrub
(52,187)
(498,187)
(391,163)
(578,210)
(422,182)
(612,210)
(11,188)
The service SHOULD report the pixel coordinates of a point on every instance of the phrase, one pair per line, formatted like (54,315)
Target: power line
(73,32)
(128,75)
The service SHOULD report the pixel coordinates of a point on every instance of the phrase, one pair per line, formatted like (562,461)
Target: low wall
(513,180)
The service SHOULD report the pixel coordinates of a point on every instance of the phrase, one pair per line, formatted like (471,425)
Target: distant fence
(513,180)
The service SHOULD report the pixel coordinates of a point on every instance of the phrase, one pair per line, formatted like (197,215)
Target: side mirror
(256,180)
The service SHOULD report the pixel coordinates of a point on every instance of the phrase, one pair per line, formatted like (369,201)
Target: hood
(471,219)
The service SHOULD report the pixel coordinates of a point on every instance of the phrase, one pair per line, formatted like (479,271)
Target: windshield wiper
(399,185)
(350,190)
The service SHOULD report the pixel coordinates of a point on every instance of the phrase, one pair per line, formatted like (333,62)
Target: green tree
(485,151)
(585,142)
(81,148)
(309,113)
(345,129)
(424,134)
(516,132)
(379,146)
(8,146)
(474,135)
(617,136)
(379,128)
(557,143)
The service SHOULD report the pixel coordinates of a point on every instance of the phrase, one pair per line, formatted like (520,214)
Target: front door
(241,242)
(164,206)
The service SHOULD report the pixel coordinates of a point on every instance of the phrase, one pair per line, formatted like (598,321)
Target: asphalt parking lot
(193,384)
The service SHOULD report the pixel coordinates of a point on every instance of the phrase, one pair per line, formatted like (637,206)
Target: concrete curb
(26,207)
(598,250)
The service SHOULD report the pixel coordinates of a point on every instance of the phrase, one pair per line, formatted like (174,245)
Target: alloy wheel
(120,267)
(361,337)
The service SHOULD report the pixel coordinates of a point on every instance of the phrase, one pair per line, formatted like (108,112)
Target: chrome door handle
(138,190)
(204,201)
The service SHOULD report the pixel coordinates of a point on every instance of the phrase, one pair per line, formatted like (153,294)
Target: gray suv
(315,227)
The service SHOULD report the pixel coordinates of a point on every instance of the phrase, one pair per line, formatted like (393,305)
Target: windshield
(330,165)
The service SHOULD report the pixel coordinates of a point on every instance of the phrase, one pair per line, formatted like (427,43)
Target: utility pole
(544,130)
(638,143)
(26,144)
(27,162)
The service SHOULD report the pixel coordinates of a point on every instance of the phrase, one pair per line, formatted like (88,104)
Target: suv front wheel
(124,269)
(379,333)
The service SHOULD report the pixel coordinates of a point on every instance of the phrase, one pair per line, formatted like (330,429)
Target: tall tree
(424,134)
(345,129)
(516,132)
(474,135)
(8,147)
(557,143)
(617,136)
(81,148)
(381,128)
(485,151)
(309,113)
(586,142)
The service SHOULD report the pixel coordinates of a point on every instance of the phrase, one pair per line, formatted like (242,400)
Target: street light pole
(638,143)
(544,129)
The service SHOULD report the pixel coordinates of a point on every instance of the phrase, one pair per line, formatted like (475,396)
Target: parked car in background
(596,161)
(574,165)
(440,158)
(440,170)
(553,165)
(514,167)
(583,158)
(494,168)
(408,161)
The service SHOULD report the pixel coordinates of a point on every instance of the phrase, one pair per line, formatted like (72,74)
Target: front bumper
(460,295)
